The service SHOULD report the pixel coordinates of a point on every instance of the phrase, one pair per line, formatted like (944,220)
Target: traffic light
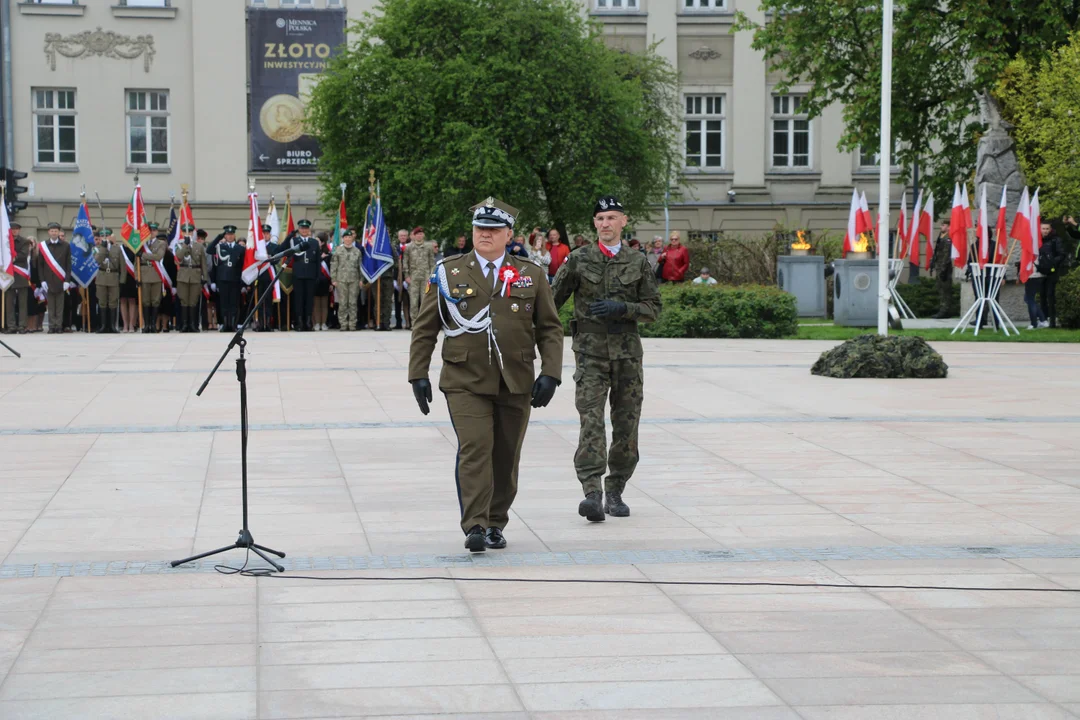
(13,190)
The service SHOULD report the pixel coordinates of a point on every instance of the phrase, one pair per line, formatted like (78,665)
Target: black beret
(606,203)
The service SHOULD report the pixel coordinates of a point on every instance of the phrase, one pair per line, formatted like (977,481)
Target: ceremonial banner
(288,51)
(84,267)
(377,255)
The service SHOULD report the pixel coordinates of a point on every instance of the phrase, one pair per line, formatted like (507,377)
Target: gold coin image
(282,118)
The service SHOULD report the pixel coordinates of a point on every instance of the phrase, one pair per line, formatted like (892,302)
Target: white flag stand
(986,303)
(896,266)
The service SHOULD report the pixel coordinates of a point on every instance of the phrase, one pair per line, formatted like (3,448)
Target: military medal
(528,307)
(468,291)
(513,307)
(463,305)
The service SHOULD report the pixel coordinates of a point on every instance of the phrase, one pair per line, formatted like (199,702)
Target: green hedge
(922,297)
(717,311)
(1068,301)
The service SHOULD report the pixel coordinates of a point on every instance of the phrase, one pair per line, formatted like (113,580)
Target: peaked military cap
(152,225)
(304,223)
(54,226)
(187,227)
(162,236)
(493,213)
(14,225)
(607,203)
(105,232)
(266,228)
(229,229)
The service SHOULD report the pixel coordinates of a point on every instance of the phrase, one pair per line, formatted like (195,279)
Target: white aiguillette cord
(478,323)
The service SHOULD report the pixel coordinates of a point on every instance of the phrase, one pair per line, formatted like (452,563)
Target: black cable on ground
(268,573)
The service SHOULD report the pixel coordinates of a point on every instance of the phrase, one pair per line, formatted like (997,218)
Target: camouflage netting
(873,356)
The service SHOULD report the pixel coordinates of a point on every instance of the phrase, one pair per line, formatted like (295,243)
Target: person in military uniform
(149,280)
(614,289)
(229,265)
(19,293)
(305,273)
(941,265)
(54,269)
(417,265)
(110,260)
(192,271)
(381,294)
(345,279)
(495,311)
(268,311)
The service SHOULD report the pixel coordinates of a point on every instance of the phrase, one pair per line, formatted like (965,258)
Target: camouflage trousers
(597,379)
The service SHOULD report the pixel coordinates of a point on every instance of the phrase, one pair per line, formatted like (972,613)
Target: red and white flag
(852,235)
(1001,236)
(959,221)
(256,243)
(921,253)
(1021,232)
(913,233)
(866,220)
(982,232)
(902,228)
(7,248)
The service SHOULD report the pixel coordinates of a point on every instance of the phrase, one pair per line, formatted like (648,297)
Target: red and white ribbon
(51,262)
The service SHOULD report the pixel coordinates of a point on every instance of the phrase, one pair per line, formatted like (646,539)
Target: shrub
(736,260)
(720,311)
(1068,300)
(922,297)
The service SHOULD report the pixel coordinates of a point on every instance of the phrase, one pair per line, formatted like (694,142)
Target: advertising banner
(287,50)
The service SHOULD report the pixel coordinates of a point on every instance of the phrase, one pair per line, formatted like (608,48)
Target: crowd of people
(193,283)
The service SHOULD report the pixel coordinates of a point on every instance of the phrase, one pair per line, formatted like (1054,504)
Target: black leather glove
(607,308)
(421,390)
(543,390)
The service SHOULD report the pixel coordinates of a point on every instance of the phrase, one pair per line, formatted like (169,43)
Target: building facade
(103,89)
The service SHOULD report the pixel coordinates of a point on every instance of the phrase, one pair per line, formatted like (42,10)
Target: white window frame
(51,2)
(617,5)
(704,108)
(861,155)
(695,6)
(785,108)
(298,4)
(55,112)
(149,114)
(335,4)
(146,3)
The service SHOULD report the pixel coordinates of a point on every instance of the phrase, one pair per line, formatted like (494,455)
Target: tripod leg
(255,549)
(269,550)
(200,556)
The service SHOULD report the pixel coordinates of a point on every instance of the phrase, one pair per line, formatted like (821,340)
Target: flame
(863,245)
(801,244)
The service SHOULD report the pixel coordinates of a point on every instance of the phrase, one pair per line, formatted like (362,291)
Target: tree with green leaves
(450,101)
(946,55)
(1042,101)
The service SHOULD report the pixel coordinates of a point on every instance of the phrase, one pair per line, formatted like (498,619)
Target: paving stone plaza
(752,471)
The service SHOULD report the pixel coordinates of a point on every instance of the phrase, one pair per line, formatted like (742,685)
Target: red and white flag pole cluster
(256,244)
(920,233)
(1026,230)
(860,222)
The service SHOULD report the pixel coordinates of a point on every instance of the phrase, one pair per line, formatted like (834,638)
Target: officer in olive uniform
(111,266)
(152,251)
(345,277)
(192,270)
(229,265)
(305,273)
(54,269)
(495,311)
(19,292)
(614,289)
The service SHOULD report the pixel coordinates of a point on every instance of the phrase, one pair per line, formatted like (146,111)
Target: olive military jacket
(523,322)
(61,253)
(590,275)
(23,248)
(110,260)
(345,264)
(192,265)
(153,251)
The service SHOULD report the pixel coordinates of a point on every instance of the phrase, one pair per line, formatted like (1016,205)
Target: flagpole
(378,280)
(288,299)
(138,261)
(886,162)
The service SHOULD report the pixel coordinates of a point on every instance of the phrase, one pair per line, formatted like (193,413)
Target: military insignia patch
(513,307)
(528,307)
(463,305)
(454,271)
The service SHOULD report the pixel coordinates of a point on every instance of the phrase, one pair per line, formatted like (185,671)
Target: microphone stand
(10,349)
(245,541)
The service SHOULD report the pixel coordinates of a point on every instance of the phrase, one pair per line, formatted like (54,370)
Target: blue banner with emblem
(84,267)
(377,254)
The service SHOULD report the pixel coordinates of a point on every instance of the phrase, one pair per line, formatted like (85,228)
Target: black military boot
(148,325)
(153,320)
(474,540)
(614,506)
(591,508)
(104,326)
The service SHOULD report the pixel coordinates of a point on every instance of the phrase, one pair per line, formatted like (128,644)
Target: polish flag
(7,248)
(959,222)
(1021,232)
(925,229)
(1001,237)
(913,233)
(982,232)
(256,243)
(852,235)
(1029,247)
(902,228)
(866,220)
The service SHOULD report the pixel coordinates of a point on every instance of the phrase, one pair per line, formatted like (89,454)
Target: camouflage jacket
(345,264)
(589,275)
(418,261)
(941,263)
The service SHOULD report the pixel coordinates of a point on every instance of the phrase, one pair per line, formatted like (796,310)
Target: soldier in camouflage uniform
(418,264)
(345,277)
(941,265)
(614,288)
(384,289)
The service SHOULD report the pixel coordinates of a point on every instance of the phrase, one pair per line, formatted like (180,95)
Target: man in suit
(495,311)
(54,269)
